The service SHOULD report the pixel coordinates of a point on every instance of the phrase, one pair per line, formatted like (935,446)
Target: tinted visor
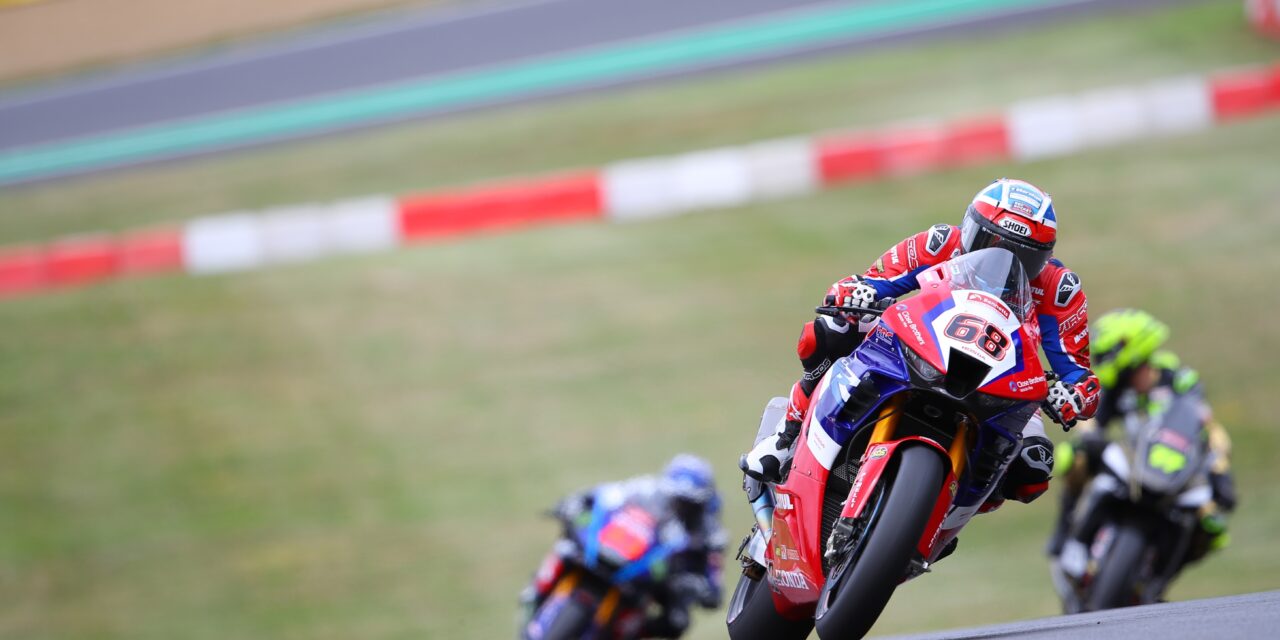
(976,232)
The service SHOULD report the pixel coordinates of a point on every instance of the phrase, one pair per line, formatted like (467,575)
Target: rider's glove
(1067,401)
(854,292)
(851,292)
(1224,490)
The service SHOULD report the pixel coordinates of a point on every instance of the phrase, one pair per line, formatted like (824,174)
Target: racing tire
(1114,585)
(571,621)
(862,591)
(752,615)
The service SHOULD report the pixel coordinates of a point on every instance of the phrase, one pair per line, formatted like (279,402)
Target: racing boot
(770,456)
(766,461)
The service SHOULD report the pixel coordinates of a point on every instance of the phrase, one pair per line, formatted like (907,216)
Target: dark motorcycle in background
(1136,526)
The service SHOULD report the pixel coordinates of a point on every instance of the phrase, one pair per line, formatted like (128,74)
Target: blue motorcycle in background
(606,568)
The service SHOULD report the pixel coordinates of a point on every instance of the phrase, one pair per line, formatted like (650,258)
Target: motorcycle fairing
(1016,374)
(628,535)
(1173,448)
(844,381)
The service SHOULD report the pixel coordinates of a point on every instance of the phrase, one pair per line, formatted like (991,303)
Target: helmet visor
(976,232)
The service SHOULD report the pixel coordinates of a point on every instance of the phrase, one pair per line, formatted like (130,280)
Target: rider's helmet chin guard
(1013,215)
(690,481)
(1122,340)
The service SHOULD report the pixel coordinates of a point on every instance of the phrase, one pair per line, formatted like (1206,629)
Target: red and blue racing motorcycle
(903,443)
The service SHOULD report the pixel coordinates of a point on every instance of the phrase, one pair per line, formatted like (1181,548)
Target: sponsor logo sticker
(905,318)
(792,579)
(786,553)
(1068,287)
(1023,384)
(782,501)
(1024,200)
(879,451)
(989,301)
(938,235)
(1017,227)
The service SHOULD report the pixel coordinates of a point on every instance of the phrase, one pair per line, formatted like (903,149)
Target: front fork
(875,460)
(608,604)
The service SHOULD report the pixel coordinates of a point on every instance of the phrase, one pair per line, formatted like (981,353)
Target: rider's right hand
(851,292)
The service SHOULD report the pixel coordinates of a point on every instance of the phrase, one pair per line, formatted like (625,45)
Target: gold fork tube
(959,452)
(887,421)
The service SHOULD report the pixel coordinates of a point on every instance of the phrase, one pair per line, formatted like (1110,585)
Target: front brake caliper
(841,532)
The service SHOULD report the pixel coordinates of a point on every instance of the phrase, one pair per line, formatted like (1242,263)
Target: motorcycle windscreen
(994,271)
(1174,447)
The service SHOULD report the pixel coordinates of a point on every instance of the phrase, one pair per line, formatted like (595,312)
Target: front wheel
(1115,584)
(565,615)
(858,595)
(752,615)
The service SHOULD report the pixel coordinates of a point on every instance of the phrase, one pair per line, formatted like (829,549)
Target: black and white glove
(852,292)
(1067,402)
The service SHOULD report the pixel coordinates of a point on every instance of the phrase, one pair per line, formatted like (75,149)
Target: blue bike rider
(686,493)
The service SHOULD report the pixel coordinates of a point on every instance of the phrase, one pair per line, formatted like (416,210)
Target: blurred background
(361,446)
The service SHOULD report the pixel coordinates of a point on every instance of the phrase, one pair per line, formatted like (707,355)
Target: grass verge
(359,447)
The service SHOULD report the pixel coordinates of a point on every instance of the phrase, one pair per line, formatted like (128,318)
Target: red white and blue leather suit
(1061,312)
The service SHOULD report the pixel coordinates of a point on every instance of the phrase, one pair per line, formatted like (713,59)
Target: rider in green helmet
(1137,376)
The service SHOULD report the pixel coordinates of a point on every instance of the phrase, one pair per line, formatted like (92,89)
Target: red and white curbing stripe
(650,187)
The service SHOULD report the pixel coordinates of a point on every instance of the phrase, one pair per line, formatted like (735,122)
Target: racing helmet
(1122,340)
(1014,215)
(689,481)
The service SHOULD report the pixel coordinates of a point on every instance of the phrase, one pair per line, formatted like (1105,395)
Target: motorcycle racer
(1138,378)
(686,490)
(1011,214)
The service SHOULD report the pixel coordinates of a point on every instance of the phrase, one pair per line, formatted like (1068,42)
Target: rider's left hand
(1067,401)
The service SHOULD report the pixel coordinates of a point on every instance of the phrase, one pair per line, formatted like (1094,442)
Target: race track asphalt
(1255,615)
(396,46)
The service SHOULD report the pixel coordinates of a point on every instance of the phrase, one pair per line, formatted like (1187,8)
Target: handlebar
(834,311)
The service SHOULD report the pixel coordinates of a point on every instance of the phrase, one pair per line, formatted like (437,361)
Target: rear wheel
(857,594)
(1115,584)
(752,615)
